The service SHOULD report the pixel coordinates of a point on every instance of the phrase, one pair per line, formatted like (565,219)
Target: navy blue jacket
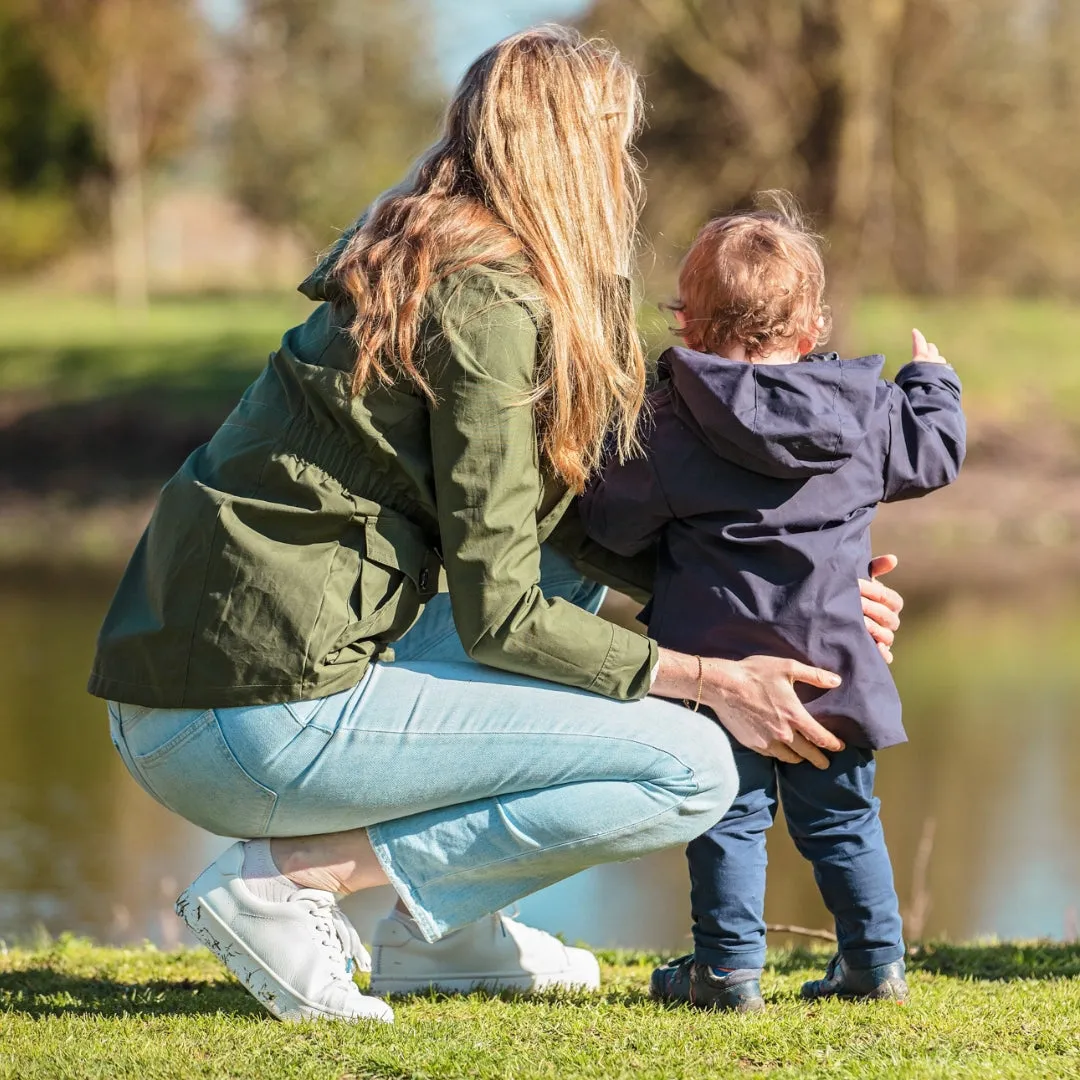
(760,482)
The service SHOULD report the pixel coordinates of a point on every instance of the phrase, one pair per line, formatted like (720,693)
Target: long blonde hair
(535,161)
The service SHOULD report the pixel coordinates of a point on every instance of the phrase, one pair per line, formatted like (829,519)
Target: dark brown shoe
(697,984)
(882,983)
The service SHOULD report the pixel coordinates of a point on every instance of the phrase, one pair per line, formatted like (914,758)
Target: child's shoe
(698,984)
(884,982)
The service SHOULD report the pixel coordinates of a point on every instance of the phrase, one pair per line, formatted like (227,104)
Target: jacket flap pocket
(396,542)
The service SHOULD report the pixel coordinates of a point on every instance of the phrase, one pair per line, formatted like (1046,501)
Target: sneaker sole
(522,984)
(465,984)
(283,1003)
(874,995)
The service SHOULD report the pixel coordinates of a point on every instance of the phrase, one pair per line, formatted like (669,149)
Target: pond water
(984,797)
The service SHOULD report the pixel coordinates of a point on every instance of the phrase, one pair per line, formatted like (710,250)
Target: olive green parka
(294,548)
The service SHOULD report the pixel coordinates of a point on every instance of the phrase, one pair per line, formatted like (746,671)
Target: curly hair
(754,279)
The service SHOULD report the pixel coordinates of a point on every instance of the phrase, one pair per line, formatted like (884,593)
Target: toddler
(764,464)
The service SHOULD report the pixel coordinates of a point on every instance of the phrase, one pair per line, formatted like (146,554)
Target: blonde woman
(267,674)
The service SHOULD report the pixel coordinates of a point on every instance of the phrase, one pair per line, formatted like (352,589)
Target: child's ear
(808,344)
(680,318)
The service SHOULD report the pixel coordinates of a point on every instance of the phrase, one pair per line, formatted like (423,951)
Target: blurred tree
(48,153)
(933,140)
(136,67)
(334,100)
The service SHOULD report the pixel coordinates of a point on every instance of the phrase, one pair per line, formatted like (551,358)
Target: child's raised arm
(928,432)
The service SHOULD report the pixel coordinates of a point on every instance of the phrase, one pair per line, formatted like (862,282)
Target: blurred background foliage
(934,141)
(354,75)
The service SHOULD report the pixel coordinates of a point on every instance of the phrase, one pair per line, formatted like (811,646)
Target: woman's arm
(488,487)
(755,698)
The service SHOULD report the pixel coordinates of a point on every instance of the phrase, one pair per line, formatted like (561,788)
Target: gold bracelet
(700,681)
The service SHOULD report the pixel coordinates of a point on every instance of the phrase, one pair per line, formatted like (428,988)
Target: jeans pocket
(119,741)
(196,775)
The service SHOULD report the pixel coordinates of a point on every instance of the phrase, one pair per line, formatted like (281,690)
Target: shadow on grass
(999,962)
(124,444)
(42,992)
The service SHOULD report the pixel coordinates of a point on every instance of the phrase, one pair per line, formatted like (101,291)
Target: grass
(1014,355)
(71,1009)
(189,354)
(1017,358)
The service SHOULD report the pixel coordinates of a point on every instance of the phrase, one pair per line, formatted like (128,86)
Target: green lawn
(980,1011)
(185,355)
(1015,356)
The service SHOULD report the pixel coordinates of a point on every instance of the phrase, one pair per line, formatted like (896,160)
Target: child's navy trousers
(832,816)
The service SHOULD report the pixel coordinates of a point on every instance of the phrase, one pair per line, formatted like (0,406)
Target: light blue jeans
(477,787)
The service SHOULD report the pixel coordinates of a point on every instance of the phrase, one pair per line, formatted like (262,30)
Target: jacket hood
(781,420)
(318,285)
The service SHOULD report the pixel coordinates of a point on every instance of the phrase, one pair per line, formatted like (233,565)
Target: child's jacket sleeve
(927,431)
(625,509)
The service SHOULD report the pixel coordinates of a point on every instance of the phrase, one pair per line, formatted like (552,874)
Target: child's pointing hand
(925,352)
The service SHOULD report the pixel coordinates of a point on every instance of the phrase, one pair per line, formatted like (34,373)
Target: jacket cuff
(627,671)
(916,371)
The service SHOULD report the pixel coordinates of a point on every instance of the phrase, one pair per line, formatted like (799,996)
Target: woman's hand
(755,700)
(881,605)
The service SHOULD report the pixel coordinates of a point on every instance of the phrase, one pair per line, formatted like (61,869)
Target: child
(764,466)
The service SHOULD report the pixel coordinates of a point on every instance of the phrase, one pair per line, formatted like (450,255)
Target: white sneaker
(294,955)
(496,953)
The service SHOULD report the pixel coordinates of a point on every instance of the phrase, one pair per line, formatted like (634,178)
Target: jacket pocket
(196,775)
(393,572)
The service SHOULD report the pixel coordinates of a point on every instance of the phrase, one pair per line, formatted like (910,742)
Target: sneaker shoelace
(360,956)
(332,928)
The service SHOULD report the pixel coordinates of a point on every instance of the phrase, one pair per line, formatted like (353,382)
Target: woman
(437,413)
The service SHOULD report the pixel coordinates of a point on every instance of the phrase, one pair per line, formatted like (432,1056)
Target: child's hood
(782,420)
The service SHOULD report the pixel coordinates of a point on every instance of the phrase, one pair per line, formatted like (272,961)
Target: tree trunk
(126,210)
(867,33)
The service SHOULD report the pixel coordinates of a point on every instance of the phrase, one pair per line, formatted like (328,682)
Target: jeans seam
(130,763)
(539,734)
(566,844)
(258,783)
